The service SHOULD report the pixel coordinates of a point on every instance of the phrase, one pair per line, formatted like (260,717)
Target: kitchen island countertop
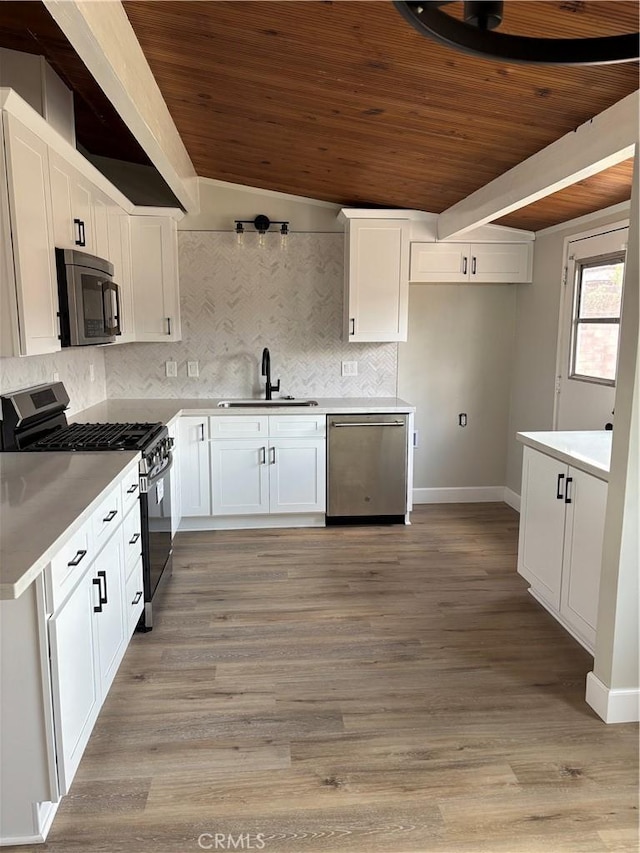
(588,450)
(166,411)
(44,499)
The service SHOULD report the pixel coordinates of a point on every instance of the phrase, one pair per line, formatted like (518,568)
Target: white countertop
(152,410)
(44,499)
(589,451)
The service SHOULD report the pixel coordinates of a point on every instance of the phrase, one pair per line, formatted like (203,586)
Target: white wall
(536,339)
(457,359)
(71,365)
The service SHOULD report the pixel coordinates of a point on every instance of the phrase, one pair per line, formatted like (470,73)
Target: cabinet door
(502,262)
(193,461)
(62,176)
(120,257)
(75,679)
(83,192)
(154,265)
(240,477)
(111,619)
(32,239)
(584,535)
(101,206)
(297,475)
(439,262)
(377,280)
(542,515)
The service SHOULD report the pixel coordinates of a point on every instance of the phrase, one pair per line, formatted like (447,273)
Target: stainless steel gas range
(34,419)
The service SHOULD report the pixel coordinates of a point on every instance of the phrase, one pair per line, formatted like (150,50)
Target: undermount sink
(266,404)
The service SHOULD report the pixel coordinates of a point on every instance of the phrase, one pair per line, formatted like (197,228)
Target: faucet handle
(276,387)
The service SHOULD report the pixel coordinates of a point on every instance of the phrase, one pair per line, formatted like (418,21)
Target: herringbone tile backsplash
(237,300)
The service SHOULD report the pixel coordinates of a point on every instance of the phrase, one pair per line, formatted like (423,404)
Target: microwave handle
(112,317)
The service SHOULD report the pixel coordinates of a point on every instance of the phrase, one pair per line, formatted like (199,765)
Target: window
(596,319)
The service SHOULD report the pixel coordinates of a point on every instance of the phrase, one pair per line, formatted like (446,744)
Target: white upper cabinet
(80,210)
(497,263)
(120,257)
(31,298)
(154,264)
(376,280)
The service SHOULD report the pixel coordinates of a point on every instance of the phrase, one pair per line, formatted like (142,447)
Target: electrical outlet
(349,368)
(171,369)
(462,419)
(193,369)
(92,373)
(56,376)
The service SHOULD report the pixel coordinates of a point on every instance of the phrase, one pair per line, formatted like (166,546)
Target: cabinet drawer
(107,517)
(132,539)
(68,566)
(134,597)
(297,426)
(130,489)
(239,426)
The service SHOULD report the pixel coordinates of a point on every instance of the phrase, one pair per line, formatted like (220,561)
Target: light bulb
(284,242)
(261,240)
(240,238)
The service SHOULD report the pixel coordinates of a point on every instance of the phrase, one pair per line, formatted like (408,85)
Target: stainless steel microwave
(89,299)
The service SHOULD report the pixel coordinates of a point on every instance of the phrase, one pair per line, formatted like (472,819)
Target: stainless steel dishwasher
(366,466)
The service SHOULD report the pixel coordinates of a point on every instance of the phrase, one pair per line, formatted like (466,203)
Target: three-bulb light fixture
(262,224)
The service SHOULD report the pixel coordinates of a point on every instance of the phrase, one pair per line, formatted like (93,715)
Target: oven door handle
(151,482)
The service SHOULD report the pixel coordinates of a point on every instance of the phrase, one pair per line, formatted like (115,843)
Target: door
(176,508)
(66,232)
(588,338)
(119,255)
(297,475)
(32,236)
(377,272)
(542,515)
(193,459)
(75,679)
(154,266)
(439,262)
(240,476)
(582,564)
(110,618)
(500,263)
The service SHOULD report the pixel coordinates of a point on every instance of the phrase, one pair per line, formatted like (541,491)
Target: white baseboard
(614,706)
(512,498)
(464,494)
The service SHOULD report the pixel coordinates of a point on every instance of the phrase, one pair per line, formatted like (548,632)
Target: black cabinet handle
(134,539)
(111,515)
(168,325)
(132,489)
(464,265)
(559,494)
(473,266)
(103,575)
(79,557)
(353,326)
(80,235)
(97,608)
(137,597)
(567,498)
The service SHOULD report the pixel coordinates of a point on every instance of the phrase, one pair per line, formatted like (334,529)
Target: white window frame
(576,321)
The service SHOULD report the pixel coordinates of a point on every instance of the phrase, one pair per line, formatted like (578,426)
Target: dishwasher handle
(368,424)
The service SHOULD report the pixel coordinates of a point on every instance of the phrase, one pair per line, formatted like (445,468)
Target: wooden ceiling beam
(105,41)
(604,141)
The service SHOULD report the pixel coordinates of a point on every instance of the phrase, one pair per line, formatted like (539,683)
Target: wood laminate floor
(354,689)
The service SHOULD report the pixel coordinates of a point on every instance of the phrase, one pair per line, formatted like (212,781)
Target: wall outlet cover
(193,369)
(171,369)
(349,368)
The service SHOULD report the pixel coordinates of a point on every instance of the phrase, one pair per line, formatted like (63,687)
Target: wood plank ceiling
(344,101)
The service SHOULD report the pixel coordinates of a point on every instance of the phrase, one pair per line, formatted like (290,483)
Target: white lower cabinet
(560,545)
(62,642)
(193,460)
(176,494)
(245,466)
